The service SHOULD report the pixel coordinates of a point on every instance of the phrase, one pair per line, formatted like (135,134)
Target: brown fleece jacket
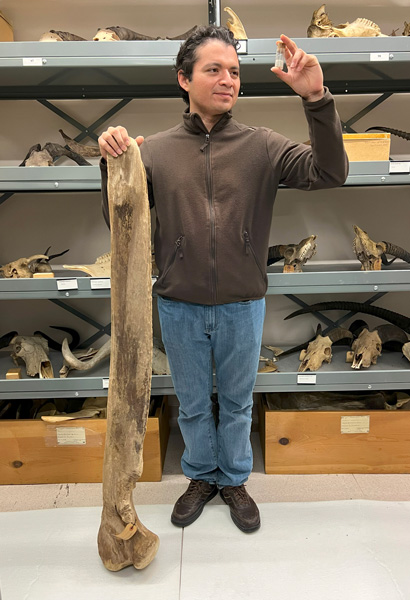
(214,193)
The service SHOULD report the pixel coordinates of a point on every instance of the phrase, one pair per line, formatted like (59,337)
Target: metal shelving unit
(110,70)
(391,372)
(75,178)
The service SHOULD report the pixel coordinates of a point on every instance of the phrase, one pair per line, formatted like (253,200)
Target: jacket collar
(194,123)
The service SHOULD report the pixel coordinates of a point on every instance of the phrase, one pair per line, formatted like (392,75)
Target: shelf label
(67,284)
(100,284)
(307,378)
(32,62)
(242,47)
(360,424)
(379,56)
(399,167)
(71,436)
(106,382)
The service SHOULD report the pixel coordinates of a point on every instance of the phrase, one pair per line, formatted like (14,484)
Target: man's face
(214,85)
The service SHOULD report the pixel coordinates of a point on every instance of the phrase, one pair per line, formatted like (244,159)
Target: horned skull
(33,350)
(25,267)
(318,352)
(368,346)
(320,349)
(295,255)
(369,253)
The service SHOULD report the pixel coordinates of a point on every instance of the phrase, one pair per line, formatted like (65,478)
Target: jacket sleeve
(104,193)
(323,164)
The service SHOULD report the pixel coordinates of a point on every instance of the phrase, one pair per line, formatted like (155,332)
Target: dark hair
(187,55)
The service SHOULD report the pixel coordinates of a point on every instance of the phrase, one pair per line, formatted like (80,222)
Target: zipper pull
(178,244)
(247,241)
(202,148)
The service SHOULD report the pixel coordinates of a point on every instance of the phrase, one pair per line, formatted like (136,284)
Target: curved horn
(398,132)
(56,345)
(391,333)
(275,254)
(397,252)
(339,333)
(6,339)
(74,363)
(382,313)
(357,327)
(82,149)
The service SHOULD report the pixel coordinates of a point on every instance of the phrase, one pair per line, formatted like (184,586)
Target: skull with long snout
(369,344)
(33,350)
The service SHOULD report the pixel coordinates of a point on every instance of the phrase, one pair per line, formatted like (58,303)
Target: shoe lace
(194,489)
(241,496)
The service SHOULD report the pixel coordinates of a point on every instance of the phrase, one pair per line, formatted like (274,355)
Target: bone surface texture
(122,539)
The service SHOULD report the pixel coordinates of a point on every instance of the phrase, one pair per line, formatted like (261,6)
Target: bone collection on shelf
(34,352)
(321,26)
(372,255)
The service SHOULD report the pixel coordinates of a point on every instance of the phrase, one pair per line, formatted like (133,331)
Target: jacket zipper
(248,246)
(207,147)
(177,251)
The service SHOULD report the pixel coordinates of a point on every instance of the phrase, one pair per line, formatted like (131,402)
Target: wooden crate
(367,146)
(72,451)
(329,442)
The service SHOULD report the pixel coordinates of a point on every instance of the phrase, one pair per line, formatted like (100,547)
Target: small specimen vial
(280,55)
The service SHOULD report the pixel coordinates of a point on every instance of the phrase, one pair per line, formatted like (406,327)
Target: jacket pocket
(249,250)
(177,253)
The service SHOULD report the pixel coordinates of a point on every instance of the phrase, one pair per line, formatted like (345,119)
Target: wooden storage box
(6,30)
(33,451)
(312,441)
(367,146)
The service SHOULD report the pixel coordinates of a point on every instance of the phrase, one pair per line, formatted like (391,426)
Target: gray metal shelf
(76,178)
(111,69)
(76,385)
(38,289)
(316,278)
(50,179)
(391,372)
(338,279)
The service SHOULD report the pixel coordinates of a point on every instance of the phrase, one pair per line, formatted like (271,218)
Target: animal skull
(33,350)
(322,26)
(369,253)
(365,349)
(318,352)
(25,267)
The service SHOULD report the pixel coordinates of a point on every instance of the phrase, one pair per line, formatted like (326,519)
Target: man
(213,182)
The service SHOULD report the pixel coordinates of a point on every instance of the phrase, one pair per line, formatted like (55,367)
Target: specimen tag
(310,378)
(106,382)
(70,436)
(360,424)
(379,56)
(100,284)
(67,284)
(399,167)
(33,62)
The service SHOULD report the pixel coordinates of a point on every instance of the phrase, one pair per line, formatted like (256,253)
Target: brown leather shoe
(190,505)
(244,512)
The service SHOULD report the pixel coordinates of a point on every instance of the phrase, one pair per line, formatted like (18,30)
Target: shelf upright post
(214,12)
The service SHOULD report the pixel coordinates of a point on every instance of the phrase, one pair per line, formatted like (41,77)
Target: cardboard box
(6,30)
(367,146)
(32,451)
(306,442)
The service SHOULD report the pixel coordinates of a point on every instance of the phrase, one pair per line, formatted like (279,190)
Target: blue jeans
(231,334)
